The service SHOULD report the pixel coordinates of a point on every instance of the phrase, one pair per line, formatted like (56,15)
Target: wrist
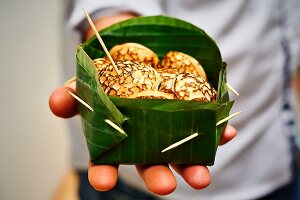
(106,21)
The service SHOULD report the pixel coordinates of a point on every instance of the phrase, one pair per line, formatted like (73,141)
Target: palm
(104,177)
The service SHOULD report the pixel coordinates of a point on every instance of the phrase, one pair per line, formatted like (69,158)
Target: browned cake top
(190,87)
(134,77)
(183,63)
(178,76)
(101,63)
(134,52)
(153,95)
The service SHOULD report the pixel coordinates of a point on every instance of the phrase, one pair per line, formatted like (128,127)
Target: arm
(106,21)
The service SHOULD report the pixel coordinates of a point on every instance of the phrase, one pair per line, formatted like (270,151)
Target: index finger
(61,103)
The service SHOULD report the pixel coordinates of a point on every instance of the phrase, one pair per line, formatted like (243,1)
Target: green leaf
(100,136)
(223,95)
(152,124)
(156,124)
(162,34)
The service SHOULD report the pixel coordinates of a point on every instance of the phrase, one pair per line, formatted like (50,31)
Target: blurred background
(34,144)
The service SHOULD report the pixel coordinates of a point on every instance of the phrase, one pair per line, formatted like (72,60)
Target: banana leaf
(147,126)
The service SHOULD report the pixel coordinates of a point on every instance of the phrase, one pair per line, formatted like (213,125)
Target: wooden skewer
(232,89)
(228,118)
(180,142)
(101,41)
(70,81)
(81,101)
(114,126)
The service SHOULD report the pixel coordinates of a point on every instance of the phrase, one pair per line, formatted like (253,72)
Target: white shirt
(260,41)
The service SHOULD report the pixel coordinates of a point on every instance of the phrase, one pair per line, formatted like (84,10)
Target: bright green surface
(150,124)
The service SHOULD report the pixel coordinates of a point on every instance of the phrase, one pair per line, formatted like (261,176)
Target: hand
(106,21)
(104,177)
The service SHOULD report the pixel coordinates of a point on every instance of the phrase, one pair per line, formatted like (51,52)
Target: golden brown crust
(101,63)
(183,63)
(167,80)
(153,95)
(178,76)
(190,87)
(134,52)
(134,78)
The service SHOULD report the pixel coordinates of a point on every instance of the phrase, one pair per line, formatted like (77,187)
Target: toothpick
(70,81)
(228,118)
(101,41)
(232,89)
(81,101)
(180,142)
(114,126)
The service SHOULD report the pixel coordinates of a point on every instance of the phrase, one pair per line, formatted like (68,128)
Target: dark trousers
(120,192)
(125,192)
(292,190)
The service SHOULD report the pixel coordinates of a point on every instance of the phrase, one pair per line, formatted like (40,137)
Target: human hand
(158,179)
(106,21)
(104,177)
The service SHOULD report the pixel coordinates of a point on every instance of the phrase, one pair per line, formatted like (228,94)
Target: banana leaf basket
(147,126)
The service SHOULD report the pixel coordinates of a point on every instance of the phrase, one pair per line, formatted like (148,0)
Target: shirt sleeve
(293,7)
(100,8)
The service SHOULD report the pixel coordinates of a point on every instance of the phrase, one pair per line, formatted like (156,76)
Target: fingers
(61,103)
(103,177)
(228,134)
(158,179)
(197,176)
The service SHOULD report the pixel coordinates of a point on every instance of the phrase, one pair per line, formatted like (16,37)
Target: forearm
(106,21)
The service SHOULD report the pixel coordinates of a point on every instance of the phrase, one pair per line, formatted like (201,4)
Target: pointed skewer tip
(232,89)
(101,41)
(113,125)
(228,118)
